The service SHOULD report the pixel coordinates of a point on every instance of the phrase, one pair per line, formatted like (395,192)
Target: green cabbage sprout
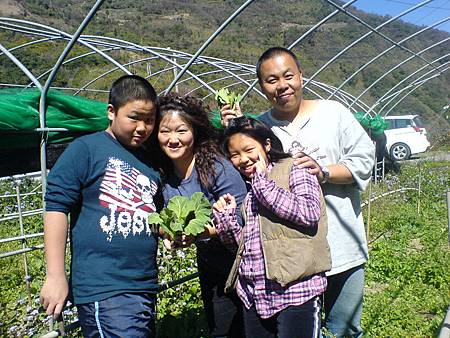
(183,215)
(224,96)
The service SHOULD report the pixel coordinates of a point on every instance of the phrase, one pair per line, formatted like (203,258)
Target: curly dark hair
(206,137)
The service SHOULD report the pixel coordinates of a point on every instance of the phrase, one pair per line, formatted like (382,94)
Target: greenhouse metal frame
(204,74)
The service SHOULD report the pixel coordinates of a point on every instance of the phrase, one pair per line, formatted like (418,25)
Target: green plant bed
(407,279)
(180,309)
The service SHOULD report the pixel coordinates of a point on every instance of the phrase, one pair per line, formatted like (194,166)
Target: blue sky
(426,15)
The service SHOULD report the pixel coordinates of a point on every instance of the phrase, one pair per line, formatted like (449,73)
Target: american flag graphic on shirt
(125,187)
(128,196)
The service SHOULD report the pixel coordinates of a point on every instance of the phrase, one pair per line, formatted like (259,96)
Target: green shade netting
(375,126)
(19,117)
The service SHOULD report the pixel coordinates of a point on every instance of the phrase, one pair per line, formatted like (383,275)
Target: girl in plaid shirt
(273,308)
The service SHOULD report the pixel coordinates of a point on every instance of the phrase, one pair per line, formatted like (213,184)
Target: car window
(402,123)
(418,121)
(390,123)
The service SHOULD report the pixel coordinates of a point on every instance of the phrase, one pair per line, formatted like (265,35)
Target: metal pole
(24,243)
(175,72)
(382,98)
(376,165)
(448,214)
(369,205)
(21,238)
(360,69)
(207,42)
(21,66)
(415,86)
(445,328)
(21,251)
(51,77)
(420,188)
(375,30)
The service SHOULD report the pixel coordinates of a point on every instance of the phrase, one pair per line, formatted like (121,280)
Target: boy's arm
(55,289)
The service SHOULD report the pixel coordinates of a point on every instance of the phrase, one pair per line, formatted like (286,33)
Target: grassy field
(407,281)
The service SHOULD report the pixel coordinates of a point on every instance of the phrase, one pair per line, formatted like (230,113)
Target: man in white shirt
(341,155)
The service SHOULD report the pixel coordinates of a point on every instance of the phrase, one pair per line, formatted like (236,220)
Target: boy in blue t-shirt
(109,188)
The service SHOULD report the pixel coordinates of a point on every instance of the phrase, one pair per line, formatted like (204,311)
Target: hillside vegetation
(185,25)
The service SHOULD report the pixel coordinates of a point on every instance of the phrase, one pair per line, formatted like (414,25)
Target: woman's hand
(183,241)
(167,241)
(210,231)
(224,203)
(227,114)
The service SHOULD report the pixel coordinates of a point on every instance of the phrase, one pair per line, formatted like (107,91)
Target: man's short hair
(129,88)
(271,53)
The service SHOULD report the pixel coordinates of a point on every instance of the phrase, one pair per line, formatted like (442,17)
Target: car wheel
(400,151)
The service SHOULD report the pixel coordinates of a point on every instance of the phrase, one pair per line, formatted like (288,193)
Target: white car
(405,135)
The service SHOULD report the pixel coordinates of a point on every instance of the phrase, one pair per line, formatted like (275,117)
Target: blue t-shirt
(109,191)
(211,254)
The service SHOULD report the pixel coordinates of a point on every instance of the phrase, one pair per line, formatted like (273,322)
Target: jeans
(299,321)
(123,315)
(343,302)
(223,311)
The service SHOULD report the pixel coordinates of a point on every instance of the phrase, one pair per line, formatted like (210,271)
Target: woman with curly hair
(192,162)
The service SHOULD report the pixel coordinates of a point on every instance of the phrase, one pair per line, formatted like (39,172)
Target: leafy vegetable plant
(224,96)
(183,215)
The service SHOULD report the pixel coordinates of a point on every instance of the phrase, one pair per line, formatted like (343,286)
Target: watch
(326,174)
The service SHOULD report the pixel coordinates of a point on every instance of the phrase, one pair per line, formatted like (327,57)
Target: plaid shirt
(302,206)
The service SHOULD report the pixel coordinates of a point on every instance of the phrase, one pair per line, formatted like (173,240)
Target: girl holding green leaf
(192,163)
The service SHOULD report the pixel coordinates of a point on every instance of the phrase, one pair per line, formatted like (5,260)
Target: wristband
(325,174)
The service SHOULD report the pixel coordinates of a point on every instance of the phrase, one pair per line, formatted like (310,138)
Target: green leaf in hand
(196,226)
(224,96)
(154,218)
(183,215)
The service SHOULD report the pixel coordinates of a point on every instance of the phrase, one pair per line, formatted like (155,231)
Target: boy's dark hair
(256,130)
(129,88)
(271,53)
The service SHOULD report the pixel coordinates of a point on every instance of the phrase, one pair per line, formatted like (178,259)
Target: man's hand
(227,114)
(54,295)
(337,173)
(304,161)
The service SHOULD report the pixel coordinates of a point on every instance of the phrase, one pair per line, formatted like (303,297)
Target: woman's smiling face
(176,137)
